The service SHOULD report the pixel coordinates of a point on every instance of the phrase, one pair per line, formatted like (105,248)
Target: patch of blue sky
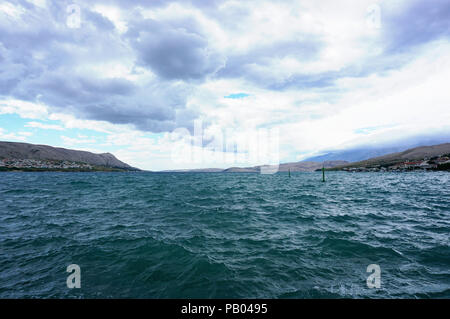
(236,96)
(53,133)
(13,123)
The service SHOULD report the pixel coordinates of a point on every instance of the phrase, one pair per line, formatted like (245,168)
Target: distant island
(435,157)
(16,156)
(305,166)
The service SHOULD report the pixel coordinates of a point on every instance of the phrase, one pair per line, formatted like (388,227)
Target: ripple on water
(225,235)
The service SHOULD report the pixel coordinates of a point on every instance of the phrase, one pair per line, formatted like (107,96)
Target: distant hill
(14,150)
(305,166)
(366,152)
(293,167)
(355,155)
(417,153)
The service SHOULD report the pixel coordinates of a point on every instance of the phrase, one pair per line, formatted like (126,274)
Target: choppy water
(194,235)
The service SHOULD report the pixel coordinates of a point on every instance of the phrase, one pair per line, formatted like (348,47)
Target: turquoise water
(195,235)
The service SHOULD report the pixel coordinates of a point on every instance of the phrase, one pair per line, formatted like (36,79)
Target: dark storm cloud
(260,57)
(42,59)
(174,51)
(59,89)
(154,107)
(151,107)
(418,23)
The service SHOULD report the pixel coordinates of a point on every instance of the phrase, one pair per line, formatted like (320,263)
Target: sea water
(225,235)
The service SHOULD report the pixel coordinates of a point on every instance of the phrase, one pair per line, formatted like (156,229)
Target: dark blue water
(146,235)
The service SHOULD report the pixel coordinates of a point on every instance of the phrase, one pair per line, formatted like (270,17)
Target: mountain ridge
(416,153)
(365,152)
(22,151)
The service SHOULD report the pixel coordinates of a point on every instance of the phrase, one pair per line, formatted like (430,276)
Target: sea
(225,235)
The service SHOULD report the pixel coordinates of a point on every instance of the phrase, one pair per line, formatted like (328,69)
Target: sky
(190,84)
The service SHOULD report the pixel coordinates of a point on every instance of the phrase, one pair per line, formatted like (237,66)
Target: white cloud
(10,136)
(80,140)
(24,109)
(44,126)
(398,104)
(315,70)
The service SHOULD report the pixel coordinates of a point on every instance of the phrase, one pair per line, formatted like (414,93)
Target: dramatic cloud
(89,71)
(174,52)
(418,22)
(325,73)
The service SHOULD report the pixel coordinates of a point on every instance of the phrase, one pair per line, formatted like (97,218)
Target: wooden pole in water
(289,173)
(323,173)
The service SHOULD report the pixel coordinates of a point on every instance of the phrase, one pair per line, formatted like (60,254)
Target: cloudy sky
(122,76)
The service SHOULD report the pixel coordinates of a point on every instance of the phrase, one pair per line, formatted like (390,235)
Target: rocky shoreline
(31,165)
